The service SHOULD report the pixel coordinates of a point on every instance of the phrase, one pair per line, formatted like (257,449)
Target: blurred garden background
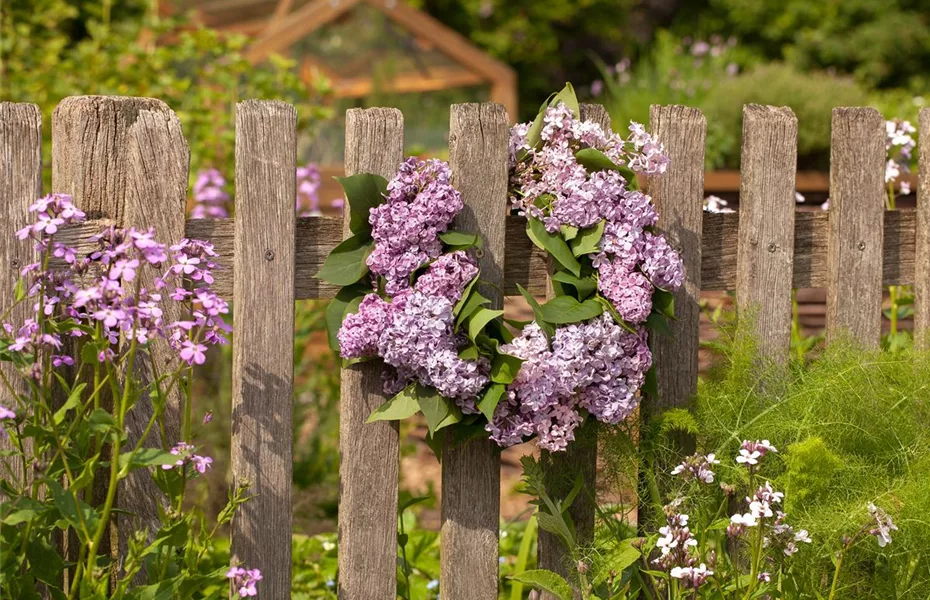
(324,56)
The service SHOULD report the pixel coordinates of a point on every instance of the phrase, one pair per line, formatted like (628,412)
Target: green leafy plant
(94,356)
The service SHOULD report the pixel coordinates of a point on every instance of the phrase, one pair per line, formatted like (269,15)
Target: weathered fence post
(922,249)
(369,452)
(263,343)
(580,458)
(126,159)
(857,214)
(20,186)
(765,260)
(679,198)
(478,154)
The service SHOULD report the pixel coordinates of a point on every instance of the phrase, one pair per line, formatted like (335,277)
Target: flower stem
(836,574)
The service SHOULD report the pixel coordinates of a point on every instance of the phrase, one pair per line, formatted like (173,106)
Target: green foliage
(851,427)
(812,97)
(57,48)
(810,470)
(884,44)
(546,41)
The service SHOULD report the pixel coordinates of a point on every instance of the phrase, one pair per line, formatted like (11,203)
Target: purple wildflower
(244,581)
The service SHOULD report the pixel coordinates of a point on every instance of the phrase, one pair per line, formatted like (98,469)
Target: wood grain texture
(855,240)
(679,197)
(369,452)
(126,160)
(478,148)
(20,186)
(526,266)
(263,347)
(922,242)
(561,469)
(765,249)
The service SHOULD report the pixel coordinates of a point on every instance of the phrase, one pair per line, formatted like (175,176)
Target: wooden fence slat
(922,242)
(125,159)
(679,198)
(560,469)
(857,210)
(478,153)
(766,225)
(678,195)
(369,467)
(263,347)
(20,186)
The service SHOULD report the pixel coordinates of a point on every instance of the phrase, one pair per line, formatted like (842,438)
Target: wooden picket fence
(126,160)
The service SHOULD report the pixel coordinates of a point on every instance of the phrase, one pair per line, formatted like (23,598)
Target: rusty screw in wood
(861,246)
(269,254)
(773,247)
(14,264)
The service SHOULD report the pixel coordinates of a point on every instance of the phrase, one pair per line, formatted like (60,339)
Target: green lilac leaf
(651,383)
(595,160)
(585,286)
(404,404)
(663,302)
(363,192)
(457,240)
(554,244)
(563,310)
(588,240)
(489,401)
(481,317)
(658,323)
(504,367)
(537,311)
(468,303)
(569,98)
(346,264)
(439,411)
(569,232)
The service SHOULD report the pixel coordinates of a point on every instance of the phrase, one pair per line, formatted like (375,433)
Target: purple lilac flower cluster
(211,201)
(414,333)
(124,286)
(244,581)
(549,184)
(597,366)
(413,328)
(421,204)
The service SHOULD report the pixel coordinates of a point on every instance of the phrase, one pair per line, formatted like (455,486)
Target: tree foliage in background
(57,48)
(548,42)
(884,44)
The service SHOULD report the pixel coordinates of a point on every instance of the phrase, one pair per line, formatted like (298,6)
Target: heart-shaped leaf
(457,240)
(588,240)
(563,310)
(585,286)
(346,264)
(404,404)
(363,192)
(554,244)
